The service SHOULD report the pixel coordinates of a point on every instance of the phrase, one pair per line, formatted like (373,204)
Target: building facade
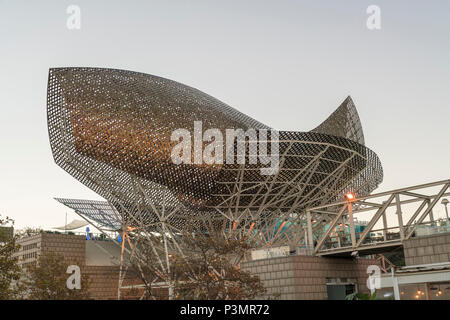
(426,274)
(304,277)
(98,259)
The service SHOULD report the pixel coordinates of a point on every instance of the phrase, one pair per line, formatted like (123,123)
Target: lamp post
(350,198)
(445,203)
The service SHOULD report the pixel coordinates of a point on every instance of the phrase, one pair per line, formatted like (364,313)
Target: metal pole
(395,285)
(431,215)
(121,265)
(310,232)
(167,262)
(352,224)
(427,291)
(400,217)
(384,226)
(338,233)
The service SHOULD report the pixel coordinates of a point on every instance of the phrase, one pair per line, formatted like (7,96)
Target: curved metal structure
(111,129)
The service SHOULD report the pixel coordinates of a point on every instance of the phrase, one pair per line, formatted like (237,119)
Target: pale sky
(286,63)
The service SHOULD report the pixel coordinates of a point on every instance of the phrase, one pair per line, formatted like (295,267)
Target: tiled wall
(304,277)
(105,281)
(72,247)
(427,249)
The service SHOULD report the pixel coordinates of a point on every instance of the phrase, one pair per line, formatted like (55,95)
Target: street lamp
(350,196)
(445,203)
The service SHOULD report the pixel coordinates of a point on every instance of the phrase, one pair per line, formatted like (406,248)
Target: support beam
(416,213)
(374,220)
(400,217)
(330,228)
(428,210)
(352,224)
(310,232)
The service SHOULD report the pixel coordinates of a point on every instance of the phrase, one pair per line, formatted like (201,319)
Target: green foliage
(28,232)
(47,280)
(9,269)
(44,281)
(362,296)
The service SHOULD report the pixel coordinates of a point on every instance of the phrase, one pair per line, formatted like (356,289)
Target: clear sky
(287,63)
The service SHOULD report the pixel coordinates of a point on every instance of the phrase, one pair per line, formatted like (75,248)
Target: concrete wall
(103,253)
(427,249)
(305,277)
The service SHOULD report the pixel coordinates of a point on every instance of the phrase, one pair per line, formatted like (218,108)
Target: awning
(75,224)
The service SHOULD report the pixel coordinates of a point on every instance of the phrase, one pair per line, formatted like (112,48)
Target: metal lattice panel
(314,169)
(97,211)
(110,129)
(343,122)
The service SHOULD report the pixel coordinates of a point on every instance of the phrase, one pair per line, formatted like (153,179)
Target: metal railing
(92,235)
(392,217)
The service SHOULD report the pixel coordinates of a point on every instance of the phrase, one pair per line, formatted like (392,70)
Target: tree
(10,271)
(28,232)
(204,263)
(211,270)
(47,279)
(363,296)
(145,263)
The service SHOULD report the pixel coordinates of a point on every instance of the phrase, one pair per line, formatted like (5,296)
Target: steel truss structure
(111,129)
(391,217)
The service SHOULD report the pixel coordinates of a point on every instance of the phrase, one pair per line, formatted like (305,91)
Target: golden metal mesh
(110,129)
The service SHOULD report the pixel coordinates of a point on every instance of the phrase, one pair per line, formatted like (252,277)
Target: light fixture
(350,196)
